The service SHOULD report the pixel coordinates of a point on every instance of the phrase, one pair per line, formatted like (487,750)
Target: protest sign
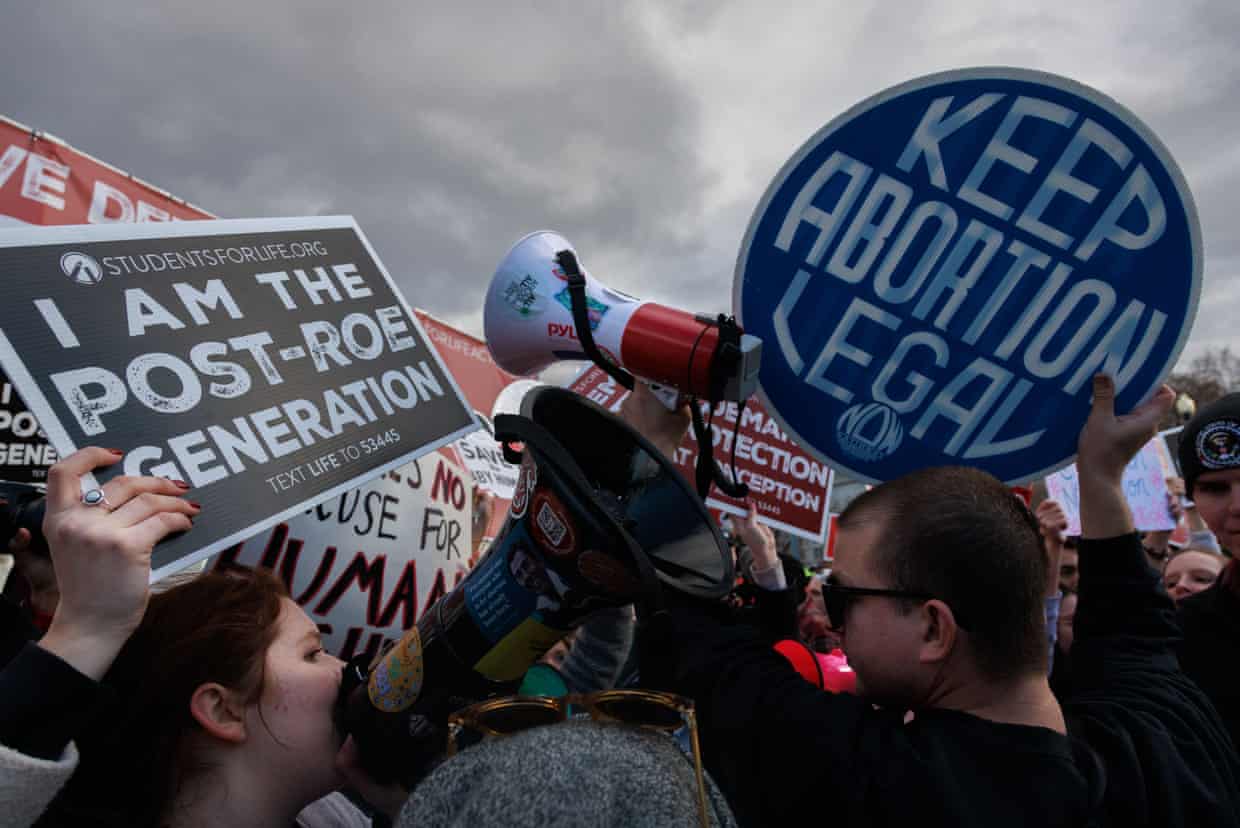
(833,531)
(938,273)
(482,382)
(484,458)
(269,363)
(790,489)
(45,181)
(1171,439)
(25,454)
(1145,489)
(367,563)
(468,360)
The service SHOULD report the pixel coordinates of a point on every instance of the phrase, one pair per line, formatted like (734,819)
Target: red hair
(139,749)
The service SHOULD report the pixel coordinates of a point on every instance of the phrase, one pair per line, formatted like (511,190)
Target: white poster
(366,564)
(1145,487)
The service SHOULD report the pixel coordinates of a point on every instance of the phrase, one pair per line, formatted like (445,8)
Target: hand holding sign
(271,363)
(759,539)
(1106,445)
(102,554)
(1052,521)
(1053,524)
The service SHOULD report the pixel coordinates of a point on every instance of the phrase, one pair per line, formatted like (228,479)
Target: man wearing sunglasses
(937,592)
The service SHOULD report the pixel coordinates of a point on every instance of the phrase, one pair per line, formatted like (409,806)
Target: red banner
(792,491)
(45,181)
(469,361)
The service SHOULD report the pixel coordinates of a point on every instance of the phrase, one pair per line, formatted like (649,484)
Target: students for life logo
(81,268)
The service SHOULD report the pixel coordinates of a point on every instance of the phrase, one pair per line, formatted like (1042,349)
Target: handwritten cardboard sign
(366,563)
(1145,488)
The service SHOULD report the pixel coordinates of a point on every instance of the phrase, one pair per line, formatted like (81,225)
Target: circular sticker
(550,525)
(939,272)
(526,479)
(396,681)
(1218,444)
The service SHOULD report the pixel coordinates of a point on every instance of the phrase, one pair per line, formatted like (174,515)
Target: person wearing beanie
(1210,620)
(575,773)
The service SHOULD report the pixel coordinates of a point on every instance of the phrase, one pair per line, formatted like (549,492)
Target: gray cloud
(448,135)
(645,131)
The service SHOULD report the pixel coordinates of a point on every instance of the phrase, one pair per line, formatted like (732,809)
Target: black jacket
(1145,747)
(1210,652)
(44,703)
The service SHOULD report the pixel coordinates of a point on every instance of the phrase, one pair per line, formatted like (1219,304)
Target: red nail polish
(181,484)
(195,505)
(117,452)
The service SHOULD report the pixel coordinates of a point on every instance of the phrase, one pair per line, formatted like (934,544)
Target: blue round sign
(940,271)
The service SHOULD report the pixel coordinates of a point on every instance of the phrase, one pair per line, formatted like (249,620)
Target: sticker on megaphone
(529,322)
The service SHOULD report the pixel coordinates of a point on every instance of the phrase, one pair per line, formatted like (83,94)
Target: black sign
(270,364)
(25,454)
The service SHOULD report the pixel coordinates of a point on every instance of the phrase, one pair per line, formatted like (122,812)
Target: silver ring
(95,497)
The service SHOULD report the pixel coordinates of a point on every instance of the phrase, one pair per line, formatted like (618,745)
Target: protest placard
(790,489)
(43,180)
(1171,439)
(484,458)
(482,382)
(939,271)
(25,454)
(269,363)
(367,563)
(1145,489)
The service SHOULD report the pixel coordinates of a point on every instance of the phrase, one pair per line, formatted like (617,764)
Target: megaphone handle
(567,261)
(708,471)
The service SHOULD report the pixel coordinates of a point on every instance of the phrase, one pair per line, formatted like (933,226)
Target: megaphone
(532,320)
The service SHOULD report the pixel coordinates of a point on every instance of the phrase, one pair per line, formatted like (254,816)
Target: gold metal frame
(474,718)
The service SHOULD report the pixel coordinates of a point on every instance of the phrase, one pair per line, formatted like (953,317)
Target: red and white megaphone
(532,320)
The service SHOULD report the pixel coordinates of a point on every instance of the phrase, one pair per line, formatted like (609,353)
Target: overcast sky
(646,132)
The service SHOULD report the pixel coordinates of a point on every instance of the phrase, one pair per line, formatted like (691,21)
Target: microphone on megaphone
(542,306)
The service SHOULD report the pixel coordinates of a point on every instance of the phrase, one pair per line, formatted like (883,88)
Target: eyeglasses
(837,597)
(648,709)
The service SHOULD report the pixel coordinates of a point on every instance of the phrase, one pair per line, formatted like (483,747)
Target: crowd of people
(963,662)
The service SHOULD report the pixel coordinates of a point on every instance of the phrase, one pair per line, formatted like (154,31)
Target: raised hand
(101,542)
(1052,521)
(1106,445)
(759,538)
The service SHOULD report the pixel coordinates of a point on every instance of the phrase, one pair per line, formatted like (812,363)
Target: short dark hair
(960,535)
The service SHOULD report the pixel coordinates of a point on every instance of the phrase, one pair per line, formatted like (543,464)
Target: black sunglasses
(837,597)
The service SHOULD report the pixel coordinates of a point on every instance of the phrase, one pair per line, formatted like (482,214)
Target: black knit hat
(1211,440)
